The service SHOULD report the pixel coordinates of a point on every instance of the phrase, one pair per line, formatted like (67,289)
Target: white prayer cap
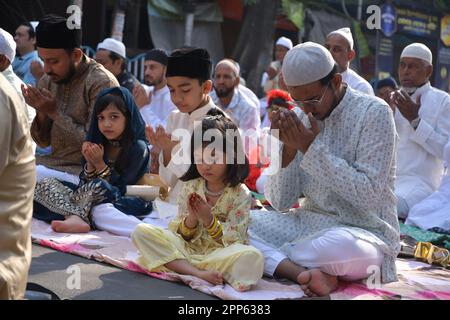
(419,51)
(113,45)
(7,45)
(233,65)
(346,33)
(306,63)
(285,42)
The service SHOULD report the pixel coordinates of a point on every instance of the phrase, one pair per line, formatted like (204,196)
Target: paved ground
(100,281)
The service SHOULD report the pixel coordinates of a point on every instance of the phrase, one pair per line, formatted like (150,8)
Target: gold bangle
(103,170)
(185,230)
(104,173)
(219,230)
(214,225)
(219,236)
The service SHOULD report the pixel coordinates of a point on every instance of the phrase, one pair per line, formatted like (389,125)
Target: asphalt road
(99,281)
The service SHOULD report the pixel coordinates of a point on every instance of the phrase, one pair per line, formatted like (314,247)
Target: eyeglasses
(313,103)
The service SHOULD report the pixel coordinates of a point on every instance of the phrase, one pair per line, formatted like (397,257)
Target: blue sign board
(388,20)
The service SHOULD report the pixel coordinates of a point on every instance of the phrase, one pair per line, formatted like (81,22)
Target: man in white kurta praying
(339,154)
(340,43)
(422,119)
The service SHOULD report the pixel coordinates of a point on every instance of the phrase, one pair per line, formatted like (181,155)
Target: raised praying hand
(40,99)
(407,107)
(292,132)
(200,208)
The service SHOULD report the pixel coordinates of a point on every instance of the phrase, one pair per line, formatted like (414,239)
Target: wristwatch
(415,123)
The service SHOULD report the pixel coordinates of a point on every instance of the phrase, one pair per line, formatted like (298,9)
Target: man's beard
(224,92)
(156,82)
(409,90)
(68,76)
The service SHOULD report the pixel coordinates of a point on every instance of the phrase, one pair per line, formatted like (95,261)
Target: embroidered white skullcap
(113,45)
(285,42)
(306,63)
(233,65)
(7,45)
(346,33)
(419,51)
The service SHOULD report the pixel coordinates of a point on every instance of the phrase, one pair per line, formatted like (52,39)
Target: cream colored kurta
(241,265)
(17,181)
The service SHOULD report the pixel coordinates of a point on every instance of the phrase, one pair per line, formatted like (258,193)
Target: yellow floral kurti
(241,265)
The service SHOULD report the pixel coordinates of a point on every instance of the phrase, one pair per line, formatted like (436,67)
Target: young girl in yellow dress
(209,236)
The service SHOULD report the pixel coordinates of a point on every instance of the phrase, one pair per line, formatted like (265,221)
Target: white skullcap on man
(113,45)
(306,63)
(346,33)
(285,42)
(419,51)
(7,45)
(233,65)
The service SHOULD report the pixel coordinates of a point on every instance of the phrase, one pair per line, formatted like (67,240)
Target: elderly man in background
(422,119)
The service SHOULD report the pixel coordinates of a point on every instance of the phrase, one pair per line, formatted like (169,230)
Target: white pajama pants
(44,172)
(107,218)
(337,252)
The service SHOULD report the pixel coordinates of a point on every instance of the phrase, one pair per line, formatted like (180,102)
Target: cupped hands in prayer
(140,96)
(405,104)
(199,209)
(40,99)
(160,138)
(93,153)
(292,132)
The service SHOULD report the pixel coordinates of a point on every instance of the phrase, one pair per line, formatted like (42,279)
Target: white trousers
(107,218)
(44,172)
(337,252)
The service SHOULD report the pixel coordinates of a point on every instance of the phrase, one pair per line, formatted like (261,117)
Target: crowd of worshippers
(338,165)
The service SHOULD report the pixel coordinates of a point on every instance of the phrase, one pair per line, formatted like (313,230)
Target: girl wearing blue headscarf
(115,155)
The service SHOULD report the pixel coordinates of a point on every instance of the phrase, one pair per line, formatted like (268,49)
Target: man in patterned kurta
(64,98)
(339,154)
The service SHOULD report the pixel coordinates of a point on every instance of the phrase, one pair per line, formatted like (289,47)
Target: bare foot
(317,283)
(211,276)
(72,224)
